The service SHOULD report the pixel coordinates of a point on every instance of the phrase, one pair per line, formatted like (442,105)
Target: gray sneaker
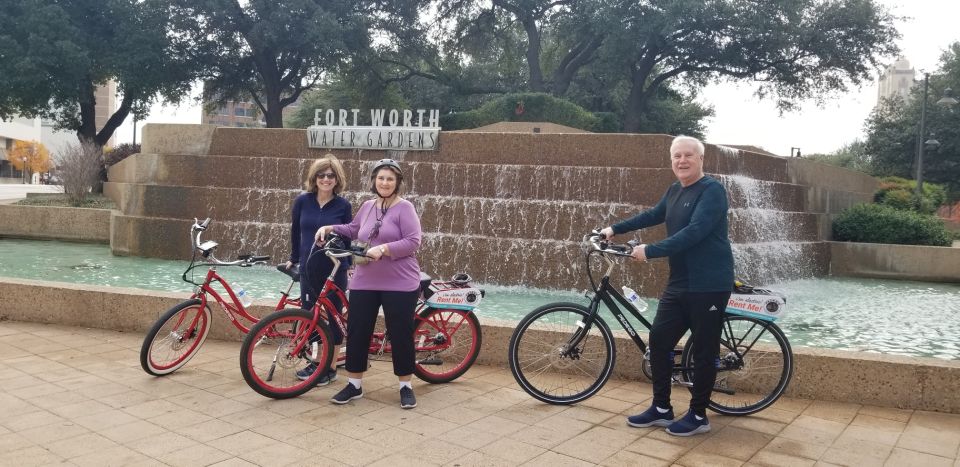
(347,394)
(407,399)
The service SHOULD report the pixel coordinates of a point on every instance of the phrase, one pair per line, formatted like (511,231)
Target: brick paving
(75,396)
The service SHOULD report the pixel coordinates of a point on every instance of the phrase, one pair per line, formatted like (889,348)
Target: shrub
(900,193)
(530,107)
(119,153)
(78,167)
(874,223)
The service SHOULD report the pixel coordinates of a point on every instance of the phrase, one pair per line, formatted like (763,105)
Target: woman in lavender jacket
(391,279)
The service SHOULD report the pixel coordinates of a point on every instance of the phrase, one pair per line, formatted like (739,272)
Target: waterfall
(771,248)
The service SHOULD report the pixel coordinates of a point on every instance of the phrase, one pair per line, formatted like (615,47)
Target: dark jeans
(398,309)
(701,313)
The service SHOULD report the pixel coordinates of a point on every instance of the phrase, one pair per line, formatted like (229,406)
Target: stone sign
(403,129)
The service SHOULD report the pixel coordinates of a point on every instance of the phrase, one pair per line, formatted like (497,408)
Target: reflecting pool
(896,317)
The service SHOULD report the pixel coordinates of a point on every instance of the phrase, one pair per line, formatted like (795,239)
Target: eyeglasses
(328,176)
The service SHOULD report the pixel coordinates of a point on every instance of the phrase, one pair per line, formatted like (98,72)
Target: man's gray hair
(688,139)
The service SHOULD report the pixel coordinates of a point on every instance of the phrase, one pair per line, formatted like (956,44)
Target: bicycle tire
(274,334)
(550,381)
(155,355)
(459,338)
(758,377)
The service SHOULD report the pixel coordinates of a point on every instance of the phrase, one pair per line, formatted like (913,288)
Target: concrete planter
(55,223)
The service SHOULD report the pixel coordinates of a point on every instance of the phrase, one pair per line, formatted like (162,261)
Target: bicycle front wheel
(175,338)
(552,358)
(755,364)
(268,360)
(446,342)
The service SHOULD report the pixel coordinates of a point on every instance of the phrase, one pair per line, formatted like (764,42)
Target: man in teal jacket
(694,210)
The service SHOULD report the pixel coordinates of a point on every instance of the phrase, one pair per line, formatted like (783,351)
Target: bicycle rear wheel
(547,367)
(175,338)
(446,342)
(267,359)
(755,365)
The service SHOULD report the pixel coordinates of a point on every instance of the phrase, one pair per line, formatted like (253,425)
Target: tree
(271,51)
(54,54)
(852,156)
(892,131)
(30,155)
(792,49)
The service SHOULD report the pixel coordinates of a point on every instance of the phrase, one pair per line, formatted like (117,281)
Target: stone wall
(829,375)
(883,261)
(486,199)
(55,223)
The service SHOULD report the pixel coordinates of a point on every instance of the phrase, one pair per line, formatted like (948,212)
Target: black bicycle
(563,353)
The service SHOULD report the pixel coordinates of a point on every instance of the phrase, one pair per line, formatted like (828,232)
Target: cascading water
(768,249)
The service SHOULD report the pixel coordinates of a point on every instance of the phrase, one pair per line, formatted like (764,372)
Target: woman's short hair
(373,179)
(328,161)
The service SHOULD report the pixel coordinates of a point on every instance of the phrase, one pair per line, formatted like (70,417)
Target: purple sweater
(400,231)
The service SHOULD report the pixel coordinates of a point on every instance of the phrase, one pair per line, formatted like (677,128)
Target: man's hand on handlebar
(639,252)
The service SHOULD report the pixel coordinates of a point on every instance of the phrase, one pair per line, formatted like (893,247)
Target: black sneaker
(407,399)
(328,377)
(306,372)
(347,394)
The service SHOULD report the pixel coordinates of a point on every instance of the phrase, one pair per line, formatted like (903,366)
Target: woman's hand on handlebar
(322,234)
(607,233)
(288,265)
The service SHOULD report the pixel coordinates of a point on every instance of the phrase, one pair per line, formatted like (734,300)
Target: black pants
(677,312)
(309,298)
(398,309)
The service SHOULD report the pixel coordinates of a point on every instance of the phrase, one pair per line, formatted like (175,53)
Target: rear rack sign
(396,129)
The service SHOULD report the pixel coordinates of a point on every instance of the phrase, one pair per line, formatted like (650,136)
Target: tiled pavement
(77,396)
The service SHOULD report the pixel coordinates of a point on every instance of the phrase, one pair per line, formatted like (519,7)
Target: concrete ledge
(55,223)
(885,261)
(171,138)
(822,374)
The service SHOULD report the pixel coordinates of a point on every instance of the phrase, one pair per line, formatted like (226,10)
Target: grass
(61,200)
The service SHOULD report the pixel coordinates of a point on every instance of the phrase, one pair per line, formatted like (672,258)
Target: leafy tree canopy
(53,55)
(644,59)
(271,51)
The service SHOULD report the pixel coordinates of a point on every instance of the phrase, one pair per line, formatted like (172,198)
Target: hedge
(531,107)
(874,223)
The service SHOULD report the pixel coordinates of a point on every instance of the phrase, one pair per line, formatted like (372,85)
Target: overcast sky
(743,119)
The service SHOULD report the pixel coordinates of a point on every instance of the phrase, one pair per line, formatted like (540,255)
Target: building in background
(42,130)
(896,80)
(243,114)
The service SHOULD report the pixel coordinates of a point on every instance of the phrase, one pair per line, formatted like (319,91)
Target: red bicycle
(447,335)
(180,332)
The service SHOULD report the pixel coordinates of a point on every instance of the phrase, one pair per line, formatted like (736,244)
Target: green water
(897,317)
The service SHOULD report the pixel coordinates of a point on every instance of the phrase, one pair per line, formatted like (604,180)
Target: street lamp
(23,169)
(947,100)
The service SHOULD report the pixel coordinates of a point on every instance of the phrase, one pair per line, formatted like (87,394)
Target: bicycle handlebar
(601,244)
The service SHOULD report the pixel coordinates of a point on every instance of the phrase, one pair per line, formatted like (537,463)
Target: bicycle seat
(293,272)
(425,281)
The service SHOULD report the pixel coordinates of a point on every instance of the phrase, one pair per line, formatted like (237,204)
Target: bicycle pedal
(314,351)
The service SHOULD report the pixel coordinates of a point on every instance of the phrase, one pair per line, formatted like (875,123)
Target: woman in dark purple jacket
(320,204)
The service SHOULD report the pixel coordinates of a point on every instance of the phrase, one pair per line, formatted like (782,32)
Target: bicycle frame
(204,290)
